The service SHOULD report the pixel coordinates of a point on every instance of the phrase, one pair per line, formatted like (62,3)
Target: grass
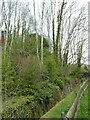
(62,106)
(83,112)
(65,104)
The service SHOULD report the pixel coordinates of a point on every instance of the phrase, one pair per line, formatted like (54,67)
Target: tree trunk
(58,32)
(42,35)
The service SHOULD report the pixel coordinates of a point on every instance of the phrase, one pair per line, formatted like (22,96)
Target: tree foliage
(42,51)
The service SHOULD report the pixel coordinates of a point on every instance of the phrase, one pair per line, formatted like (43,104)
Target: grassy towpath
(83,112)
(63,105)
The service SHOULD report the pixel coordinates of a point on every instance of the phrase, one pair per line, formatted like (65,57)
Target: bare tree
(59,18)
(36,29)
(42,33)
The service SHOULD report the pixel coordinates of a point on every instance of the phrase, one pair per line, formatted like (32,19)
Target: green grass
(83,112)
(65,104)
(62,106)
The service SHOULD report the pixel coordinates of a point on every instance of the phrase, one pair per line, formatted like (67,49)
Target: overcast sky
(79,3)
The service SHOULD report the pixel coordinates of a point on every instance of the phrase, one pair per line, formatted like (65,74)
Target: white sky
(79,3)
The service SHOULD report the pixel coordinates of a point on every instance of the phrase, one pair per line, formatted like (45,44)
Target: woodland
(44,56)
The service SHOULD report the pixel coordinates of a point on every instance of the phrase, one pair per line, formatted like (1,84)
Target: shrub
(59,82)
(50,67)
(18,107)
(78,72)
(30,69)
